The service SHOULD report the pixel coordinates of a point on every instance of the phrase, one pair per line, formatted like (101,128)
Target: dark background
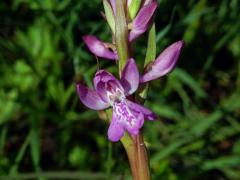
(46,131)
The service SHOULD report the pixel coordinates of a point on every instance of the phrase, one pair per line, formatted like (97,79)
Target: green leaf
(222,162)
(165,152)
(8,105)
(166,29)
(188,80)
(109,15)
(77,156)
(67,95)
(206,122)
(150,55)
(3,138)
(134,7)
(151,48)
(232,103)
(165,111)
(21,153)
(35,144)
(193,21)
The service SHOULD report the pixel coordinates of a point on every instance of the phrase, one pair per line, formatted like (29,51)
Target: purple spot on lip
(124,114)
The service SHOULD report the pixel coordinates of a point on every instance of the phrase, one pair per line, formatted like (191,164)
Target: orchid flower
(126,115)
(109,91)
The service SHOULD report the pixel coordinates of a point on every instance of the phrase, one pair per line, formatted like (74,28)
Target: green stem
(121,35)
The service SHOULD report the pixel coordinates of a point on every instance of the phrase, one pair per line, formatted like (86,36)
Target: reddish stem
(138,158)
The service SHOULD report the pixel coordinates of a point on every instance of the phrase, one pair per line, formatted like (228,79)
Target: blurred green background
(46,132)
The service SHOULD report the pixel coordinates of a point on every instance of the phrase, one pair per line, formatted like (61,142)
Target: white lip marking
(115,95)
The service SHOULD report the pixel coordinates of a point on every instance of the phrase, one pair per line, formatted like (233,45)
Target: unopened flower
(143,18)
(138,26)
(99,48)
(126,115)
(164,63)
(142,21)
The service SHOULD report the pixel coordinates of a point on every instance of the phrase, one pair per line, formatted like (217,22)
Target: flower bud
(164,63)
(142,21)
(98,47)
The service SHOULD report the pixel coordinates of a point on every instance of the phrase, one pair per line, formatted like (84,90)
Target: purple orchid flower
(164,63)
(127,115)
(143,19)
(109,91)
(99,48)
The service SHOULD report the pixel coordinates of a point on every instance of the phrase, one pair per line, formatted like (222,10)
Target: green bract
(133,8)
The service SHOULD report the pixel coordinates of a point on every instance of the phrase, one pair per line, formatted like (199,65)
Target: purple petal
(104,80)
(134,129)
(129,120)
(148,114)
(115,130)
(113,4)
(164,63)
(141,22)
(130,77)
(147,2)
(98,48)
(90,98)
